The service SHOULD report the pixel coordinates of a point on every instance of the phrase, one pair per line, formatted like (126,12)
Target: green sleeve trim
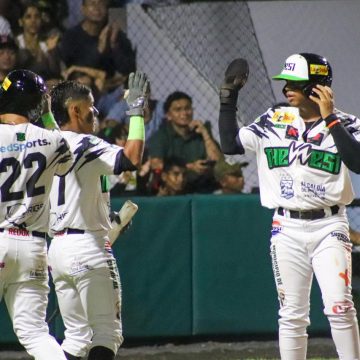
(136,128)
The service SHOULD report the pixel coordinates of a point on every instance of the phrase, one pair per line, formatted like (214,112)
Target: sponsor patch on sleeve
(283,117)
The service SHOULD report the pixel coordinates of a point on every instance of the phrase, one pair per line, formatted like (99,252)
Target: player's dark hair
(61,94)
(177,95)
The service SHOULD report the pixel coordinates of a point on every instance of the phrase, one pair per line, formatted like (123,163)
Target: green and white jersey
(30,157)
(80,199)
(298,169)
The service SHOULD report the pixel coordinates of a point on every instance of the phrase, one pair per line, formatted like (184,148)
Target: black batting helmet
(307,68)
(22,92)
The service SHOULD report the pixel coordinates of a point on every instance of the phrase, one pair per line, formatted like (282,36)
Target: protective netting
(187,47)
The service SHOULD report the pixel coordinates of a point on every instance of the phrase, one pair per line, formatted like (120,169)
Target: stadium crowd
(36,35)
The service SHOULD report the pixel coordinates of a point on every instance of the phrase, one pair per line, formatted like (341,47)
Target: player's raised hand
(235,78)
(324,98)
(137,94)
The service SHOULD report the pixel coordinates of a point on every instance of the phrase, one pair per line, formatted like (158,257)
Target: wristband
(337,121)
(49,121)
(136,128)
(329,119)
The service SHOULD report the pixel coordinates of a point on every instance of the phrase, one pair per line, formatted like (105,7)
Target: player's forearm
(134,150)
(347,146)
(134,147)
(228,130)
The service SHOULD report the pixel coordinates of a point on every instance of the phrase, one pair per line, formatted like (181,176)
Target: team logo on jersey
(20,136)
(283,117)
(340,236)
(316,140)
(286,187)
(291,133)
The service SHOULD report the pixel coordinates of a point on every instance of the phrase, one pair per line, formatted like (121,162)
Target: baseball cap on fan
(7,42)
(306,67)
(223,168)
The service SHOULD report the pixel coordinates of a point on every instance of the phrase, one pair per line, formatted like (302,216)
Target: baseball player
(29,159)
(83,267)
(304,153)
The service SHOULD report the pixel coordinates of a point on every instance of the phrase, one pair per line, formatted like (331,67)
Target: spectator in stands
(229,177)
(188,139)
(98,43)
(354,236)
(94,78)
(35,54)
(8,55)
(173,178)
(9,15)
(53,15)
(153,116)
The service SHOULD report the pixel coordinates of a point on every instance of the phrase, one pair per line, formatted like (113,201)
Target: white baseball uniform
(83,267)
(300,173)
(29,159)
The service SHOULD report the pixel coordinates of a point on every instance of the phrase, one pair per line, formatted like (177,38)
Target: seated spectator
(229,177)
(173,178)
(188,139)
(9,15)
(35,54)
(94,78)
(53,15)
(153,115)
(97,43)
(354,236)
(8,55)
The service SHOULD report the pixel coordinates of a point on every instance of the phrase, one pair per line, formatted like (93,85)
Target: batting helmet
(309,69)
(22,92)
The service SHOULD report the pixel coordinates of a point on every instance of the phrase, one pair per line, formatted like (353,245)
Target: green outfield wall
(195,266)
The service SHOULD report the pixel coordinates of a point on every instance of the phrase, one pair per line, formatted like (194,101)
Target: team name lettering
(277,157)
(325,161)
(289,66)
(315,159)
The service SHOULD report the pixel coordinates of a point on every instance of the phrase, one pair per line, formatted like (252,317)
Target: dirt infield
(318,348)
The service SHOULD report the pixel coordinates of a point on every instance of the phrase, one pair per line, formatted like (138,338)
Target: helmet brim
(288,77)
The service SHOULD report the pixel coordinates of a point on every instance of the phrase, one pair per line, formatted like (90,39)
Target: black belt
(308,214)
(70,231)
(33,233)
